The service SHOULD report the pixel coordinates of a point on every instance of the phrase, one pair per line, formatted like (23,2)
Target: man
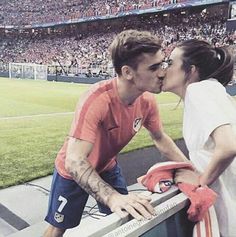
(107,118)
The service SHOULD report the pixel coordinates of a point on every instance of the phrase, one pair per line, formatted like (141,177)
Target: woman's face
(174,80)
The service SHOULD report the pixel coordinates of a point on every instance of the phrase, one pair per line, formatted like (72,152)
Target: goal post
(28,71)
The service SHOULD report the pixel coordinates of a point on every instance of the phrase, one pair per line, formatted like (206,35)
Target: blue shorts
(67,199)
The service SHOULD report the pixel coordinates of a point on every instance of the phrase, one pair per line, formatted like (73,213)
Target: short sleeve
(207,101)
(87,120)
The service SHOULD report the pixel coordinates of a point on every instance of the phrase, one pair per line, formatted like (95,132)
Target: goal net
(28,71)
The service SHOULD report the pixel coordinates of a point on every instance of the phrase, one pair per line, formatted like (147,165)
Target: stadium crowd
(90,48)
(28,12)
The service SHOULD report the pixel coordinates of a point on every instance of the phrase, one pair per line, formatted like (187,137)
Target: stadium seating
(84,50)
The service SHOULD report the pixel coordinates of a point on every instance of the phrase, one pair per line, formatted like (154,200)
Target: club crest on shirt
(137,124)
(58,217)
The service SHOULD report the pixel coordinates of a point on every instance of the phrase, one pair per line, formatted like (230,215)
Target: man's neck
(127,92)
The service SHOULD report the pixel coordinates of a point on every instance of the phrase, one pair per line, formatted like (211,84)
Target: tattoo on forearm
(84,174)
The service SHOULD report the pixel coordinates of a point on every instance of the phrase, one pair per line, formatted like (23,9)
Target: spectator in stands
(107,118)
(94,41)
(27,12)
(198,73)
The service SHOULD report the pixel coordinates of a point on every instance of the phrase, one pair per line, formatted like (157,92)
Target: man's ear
(127,72)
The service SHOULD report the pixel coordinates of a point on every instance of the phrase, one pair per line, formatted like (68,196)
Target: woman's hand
(187,176)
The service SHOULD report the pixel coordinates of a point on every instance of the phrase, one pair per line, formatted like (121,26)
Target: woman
(197,73)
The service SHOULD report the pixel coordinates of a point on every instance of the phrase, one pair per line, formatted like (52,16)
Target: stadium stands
(31,12)
(83,48)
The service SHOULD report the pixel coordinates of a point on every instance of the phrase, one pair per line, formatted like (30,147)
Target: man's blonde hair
(128,47)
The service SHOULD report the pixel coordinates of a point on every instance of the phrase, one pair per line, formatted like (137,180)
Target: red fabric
(201,198)
(153,178)
(162,172)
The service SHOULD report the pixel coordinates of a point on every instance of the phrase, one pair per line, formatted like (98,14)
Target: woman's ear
(194,73)
(127,72)
(193,69)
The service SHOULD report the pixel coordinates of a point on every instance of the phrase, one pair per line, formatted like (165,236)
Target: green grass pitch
(35,117)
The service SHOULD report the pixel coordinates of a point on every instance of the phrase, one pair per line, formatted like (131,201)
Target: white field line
(62,113)
(35,115)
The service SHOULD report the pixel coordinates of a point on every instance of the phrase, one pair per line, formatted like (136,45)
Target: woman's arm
(224,153)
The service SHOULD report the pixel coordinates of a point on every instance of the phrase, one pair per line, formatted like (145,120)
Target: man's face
(149,73)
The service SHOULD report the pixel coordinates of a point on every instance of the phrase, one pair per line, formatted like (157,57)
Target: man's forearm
(169,149)
(85,175)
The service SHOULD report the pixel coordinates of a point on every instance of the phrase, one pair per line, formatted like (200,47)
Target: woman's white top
(206,107)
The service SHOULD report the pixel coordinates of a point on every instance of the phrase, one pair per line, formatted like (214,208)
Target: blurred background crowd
(85,45)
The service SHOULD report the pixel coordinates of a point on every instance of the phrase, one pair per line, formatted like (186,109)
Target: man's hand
(187,176)
(137,205)
(86,176)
